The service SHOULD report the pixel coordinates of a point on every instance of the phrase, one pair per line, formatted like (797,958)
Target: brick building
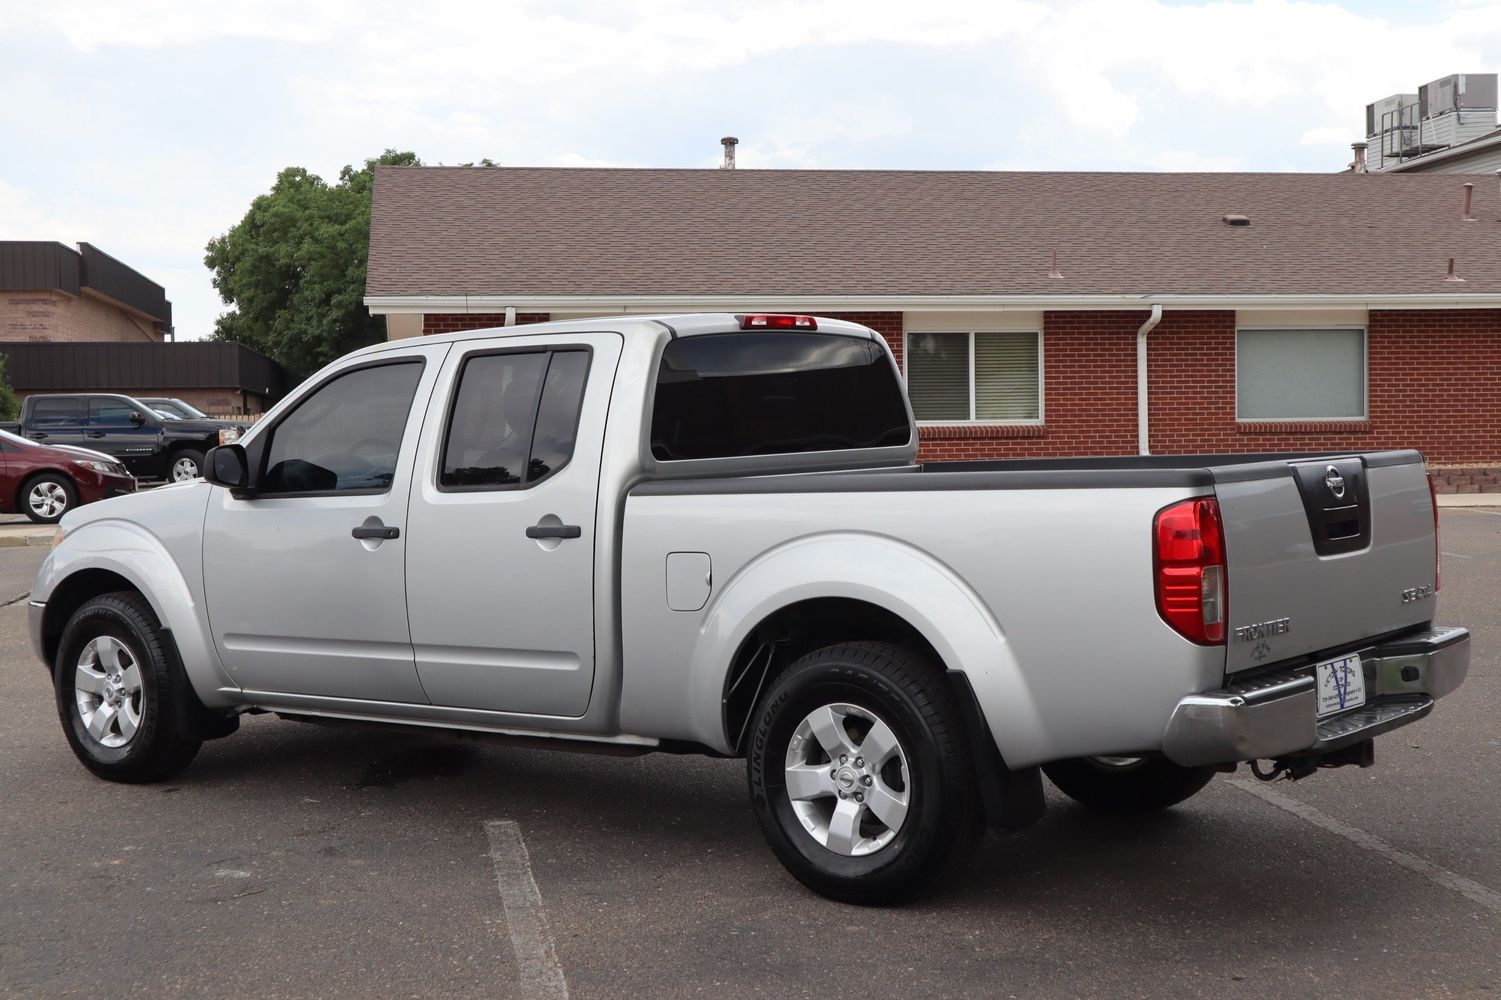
(81,321)
(1274,312)
(52,293)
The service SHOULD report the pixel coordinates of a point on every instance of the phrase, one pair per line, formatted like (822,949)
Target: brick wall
(1089,393)
(1434,383)
(56,316)
(453,322)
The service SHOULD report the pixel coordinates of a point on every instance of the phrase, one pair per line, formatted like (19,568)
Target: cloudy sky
(147,126)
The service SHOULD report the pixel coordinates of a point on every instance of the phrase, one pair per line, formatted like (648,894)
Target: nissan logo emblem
(1335,482)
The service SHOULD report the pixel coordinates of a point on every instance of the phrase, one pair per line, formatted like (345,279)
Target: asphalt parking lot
(296,861)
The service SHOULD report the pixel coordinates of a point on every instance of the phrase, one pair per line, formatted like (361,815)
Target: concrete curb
(1469,499)
(9,540)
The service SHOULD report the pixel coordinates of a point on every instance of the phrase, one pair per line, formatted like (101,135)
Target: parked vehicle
(175,409)
(707,534)
(150,445)
(45,483)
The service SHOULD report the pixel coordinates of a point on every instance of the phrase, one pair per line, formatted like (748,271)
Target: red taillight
(1437,561)
(1188,553)
(768,321)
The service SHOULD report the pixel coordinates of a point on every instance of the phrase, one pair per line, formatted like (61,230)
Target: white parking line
(1471,890)
(537,967)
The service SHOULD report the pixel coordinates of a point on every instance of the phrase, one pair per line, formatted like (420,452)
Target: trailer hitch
(1297,766)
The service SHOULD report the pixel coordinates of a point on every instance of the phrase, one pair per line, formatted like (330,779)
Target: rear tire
(45,498)
(124,703)
(858,831)
(1127,784)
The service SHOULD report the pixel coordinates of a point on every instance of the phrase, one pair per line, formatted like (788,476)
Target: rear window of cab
(738,394)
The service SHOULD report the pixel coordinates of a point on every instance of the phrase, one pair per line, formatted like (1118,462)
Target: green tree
(10,406)
(293,269)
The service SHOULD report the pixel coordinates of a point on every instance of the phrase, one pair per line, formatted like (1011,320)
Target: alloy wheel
(47,499)
(847,779)
(107,690)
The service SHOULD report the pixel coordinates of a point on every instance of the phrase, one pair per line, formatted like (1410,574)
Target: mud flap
(1013,800)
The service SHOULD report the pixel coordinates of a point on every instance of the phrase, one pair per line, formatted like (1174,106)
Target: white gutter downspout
(1143,442)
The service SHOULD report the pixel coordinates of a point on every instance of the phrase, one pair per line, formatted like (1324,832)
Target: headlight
(107,468)
(229,435)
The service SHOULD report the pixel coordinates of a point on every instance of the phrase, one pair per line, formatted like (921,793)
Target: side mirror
(227,465)
(137,417)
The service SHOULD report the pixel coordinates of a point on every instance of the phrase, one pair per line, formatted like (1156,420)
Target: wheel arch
(88,563)
(850,586)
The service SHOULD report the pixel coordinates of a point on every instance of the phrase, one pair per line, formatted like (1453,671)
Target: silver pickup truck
(707,534)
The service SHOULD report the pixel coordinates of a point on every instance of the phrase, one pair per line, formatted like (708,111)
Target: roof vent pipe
(1464,214)
(1452,276)
(1359,166)
(1143,440)
(729,143)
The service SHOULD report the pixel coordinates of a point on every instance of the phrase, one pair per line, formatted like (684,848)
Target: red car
(44,482)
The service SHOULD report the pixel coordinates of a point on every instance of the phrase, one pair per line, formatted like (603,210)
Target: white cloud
(148,127)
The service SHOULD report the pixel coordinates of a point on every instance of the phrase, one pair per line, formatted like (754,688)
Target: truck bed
(1058,554)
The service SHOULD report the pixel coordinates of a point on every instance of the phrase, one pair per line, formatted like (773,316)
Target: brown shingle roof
(551,231)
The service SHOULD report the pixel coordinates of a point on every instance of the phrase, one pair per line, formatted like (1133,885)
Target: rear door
(56,419)
(501,560)
(1324,553)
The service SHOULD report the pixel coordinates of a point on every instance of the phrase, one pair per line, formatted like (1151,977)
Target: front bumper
(105,486)
(1275,714)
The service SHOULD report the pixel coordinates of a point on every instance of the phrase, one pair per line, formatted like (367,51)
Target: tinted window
(773,393)
(111,413)
(558,416)
(346,435)
(490,432)
(57,412)
(502,433)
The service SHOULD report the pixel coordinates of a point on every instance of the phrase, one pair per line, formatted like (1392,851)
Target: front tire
(860,774)
(47,497)
(1127,784)
(122,699)
(185,465)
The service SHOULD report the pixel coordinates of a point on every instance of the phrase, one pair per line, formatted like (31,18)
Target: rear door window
(57,412)
(738,394)
(514,419)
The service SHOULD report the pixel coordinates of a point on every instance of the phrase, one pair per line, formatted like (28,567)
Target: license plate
(1341,684)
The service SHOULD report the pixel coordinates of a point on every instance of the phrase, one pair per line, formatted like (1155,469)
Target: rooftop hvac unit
(1457,92)
(1385,114)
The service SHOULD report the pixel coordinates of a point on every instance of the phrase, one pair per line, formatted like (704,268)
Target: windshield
(171,409)
(188,410)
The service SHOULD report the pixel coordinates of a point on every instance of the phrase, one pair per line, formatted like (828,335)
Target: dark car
(44,483)
(150,445)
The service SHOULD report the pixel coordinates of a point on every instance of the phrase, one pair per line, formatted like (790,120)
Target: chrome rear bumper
(1275,714)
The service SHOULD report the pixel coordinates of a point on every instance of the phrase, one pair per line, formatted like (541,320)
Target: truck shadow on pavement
(1218,864)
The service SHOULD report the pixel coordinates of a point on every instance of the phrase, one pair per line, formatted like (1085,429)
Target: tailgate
(1323,553)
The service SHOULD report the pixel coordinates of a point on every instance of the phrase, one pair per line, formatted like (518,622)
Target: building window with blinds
(975,377)
(1300,374)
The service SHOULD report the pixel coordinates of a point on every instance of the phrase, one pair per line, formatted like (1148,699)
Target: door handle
(36,436)
(376,530)
(95,434)
(554,531)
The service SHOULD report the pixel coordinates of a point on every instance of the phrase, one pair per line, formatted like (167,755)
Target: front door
(500,569)
(118,427)
(305,586)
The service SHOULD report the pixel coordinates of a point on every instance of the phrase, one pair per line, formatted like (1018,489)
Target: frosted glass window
(1300,375)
